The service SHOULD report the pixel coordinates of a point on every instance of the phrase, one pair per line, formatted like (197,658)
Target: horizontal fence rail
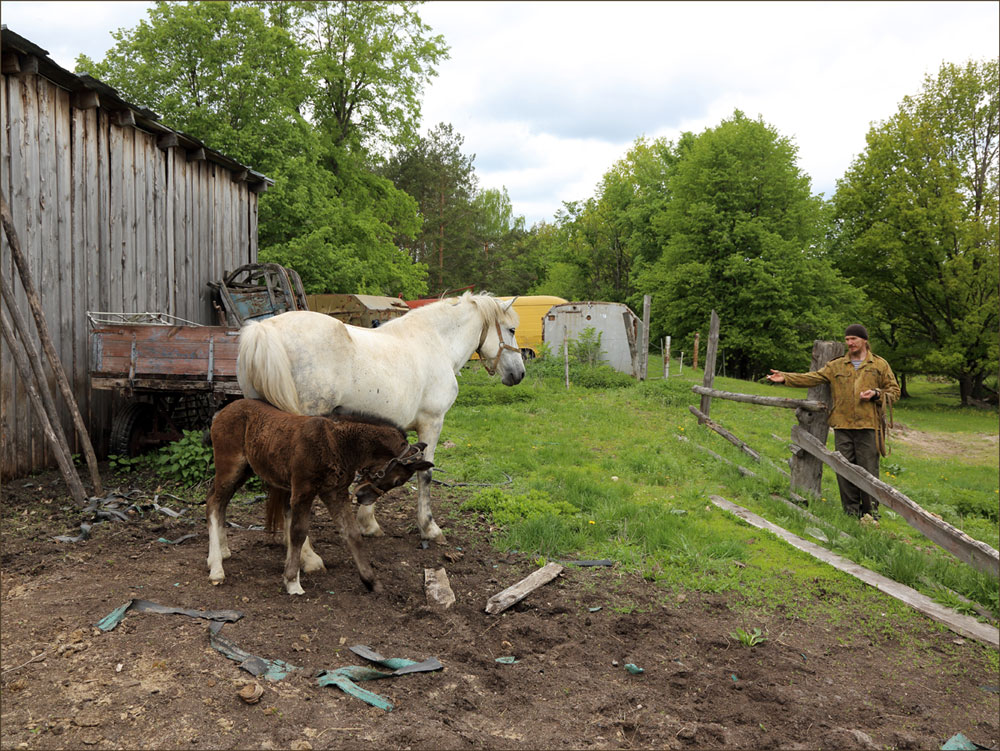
(767,401)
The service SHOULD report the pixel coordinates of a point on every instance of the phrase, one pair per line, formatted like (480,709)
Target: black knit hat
(856,329)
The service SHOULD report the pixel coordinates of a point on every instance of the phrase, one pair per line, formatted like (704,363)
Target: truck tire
(129,427)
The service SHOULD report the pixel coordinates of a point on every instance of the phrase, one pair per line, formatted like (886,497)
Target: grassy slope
(619,457)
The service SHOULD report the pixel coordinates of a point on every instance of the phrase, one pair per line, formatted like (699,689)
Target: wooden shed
(115,212)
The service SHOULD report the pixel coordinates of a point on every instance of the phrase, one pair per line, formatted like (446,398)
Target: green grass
(621,464)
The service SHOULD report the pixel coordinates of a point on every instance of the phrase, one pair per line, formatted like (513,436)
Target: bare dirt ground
(154,682)
(970,447)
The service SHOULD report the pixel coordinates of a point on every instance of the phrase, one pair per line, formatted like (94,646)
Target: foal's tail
(274,514)
(263,369)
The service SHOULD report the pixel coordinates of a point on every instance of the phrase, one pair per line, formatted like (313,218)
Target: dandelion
(591,522)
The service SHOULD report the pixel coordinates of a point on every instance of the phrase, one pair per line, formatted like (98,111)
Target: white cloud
(67,29)
(548,95)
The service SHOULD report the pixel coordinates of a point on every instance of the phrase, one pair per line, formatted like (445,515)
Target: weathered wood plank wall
(109,221)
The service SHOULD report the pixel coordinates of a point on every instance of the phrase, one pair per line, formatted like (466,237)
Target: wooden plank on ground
(964,625)
(517,592)
(977,554)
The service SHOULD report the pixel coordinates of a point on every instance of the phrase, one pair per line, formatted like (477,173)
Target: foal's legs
(339,506)
(279,499)
(230,474)
(297,526)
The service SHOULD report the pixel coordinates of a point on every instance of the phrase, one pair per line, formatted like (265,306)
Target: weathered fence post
(680,363)
(713,348)
(644,354)
(666,359)
(566,354)
(807,470)
(697,339)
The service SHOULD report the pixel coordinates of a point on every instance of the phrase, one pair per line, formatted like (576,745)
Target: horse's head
(497,345)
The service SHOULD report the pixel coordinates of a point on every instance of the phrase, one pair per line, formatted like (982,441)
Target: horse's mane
(488,306)
(343,414)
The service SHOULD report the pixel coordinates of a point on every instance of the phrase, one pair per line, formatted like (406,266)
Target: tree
(917,225)
(742,233)
(218,72)
(299,91)
(442,181)
(370,62)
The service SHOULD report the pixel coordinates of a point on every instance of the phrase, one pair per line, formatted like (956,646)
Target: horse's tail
(263,369)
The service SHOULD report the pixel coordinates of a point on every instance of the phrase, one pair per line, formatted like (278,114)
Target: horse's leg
(339,505)
(429,530)
(229,476)
(310,559)
(297,526)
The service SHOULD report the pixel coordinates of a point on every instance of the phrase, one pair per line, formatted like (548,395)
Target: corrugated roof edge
(109,99)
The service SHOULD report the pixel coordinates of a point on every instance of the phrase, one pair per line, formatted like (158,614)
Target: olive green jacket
(846,384)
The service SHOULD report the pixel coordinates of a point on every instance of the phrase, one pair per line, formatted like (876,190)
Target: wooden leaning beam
(705,420)
(28,284)
(977,554)
(964,625)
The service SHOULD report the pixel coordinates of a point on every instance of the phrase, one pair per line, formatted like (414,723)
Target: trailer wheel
(130,427)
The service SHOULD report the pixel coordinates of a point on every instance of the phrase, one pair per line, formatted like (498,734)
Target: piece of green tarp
(259,667)
(959,742)
(113,618)
(344,678)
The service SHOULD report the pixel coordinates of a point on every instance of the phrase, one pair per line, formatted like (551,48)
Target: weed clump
(506,508)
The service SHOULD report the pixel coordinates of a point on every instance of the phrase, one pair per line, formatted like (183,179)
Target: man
(859,382)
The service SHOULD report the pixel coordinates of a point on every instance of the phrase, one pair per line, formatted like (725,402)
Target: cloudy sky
(548,95)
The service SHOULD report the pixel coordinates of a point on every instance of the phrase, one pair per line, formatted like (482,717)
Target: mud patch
(154,681)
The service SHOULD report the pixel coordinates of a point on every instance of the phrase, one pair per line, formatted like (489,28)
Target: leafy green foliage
(916,228)
(741,233)
(122,465)
(309,94)
(506,508)
(586,349)
(188,461)
(748,639)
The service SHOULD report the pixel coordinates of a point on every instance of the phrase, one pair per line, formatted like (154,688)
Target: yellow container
(531,309)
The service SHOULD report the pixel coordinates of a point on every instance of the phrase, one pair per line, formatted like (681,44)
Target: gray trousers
(858,447)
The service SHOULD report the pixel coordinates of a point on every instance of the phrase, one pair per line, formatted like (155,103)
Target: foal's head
(391,459)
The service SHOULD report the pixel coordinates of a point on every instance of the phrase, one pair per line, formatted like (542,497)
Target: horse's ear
(507,305)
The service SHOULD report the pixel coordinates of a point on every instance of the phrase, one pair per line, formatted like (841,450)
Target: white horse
(309,363)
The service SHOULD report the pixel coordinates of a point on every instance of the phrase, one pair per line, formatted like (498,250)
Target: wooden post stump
(713,347)
(807,470)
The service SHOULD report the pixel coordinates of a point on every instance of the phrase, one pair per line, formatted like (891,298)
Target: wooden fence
(115,212)
(810,454)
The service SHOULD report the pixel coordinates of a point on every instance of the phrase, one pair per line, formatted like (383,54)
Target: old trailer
(175,374)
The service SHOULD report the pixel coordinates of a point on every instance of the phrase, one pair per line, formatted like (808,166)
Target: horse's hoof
(313,565)
(377,532)
(295,589)
(217,580)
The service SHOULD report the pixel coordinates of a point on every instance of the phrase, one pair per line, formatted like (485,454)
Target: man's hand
(870,394)
(776,377)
